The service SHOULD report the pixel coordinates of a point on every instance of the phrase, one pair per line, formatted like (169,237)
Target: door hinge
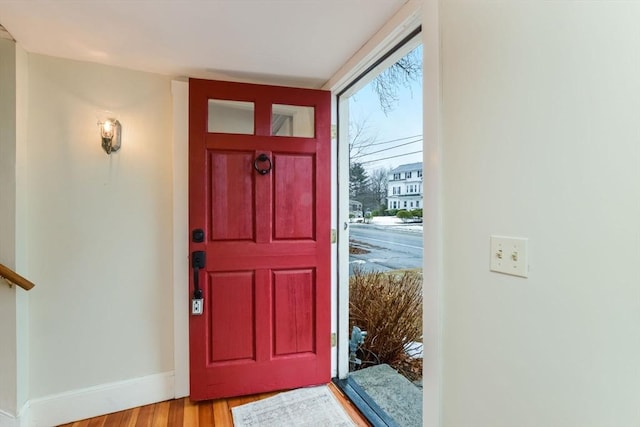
(334,339)
(334,235)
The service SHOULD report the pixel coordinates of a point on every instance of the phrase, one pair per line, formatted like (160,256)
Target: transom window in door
(292,120)
(231,117)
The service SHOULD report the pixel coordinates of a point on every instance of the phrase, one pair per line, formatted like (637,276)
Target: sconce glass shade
(110,131)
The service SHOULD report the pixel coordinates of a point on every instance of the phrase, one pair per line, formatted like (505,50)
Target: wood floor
(183,412)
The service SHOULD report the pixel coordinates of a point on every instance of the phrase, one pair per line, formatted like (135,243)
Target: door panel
(231,297)
(294,203)
(294,308)
(266,284)
(232,195)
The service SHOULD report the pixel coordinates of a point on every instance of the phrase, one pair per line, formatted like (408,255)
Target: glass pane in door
(231,117)
(292,120)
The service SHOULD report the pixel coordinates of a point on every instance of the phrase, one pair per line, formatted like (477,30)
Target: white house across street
(405,187)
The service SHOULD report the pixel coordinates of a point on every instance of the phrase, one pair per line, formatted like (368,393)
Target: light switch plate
(509,255)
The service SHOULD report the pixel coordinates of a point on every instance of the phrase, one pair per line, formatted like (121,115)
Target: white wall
(14,353)
(8,336)
(99,227)
(540,139)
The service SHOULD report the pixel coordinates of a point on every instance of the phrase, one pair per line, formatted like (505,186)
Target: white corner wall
(99,233)
(9,381)
(14,302)
(540,139)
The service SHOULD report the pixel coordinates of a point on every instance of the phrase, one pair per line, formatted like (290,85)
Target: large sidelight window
(382,111)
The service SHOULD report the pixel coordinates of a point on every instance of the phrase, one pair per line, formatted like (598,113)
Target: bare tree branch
(378,186)
(360,137)
(408,69)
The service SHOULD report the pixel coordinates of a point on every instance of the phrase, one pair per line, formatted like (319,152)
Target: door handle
(198,262)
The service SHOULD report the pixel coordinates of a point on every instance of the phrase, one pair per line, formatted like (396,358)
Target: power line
(390,148)
(387,142)
(390,157)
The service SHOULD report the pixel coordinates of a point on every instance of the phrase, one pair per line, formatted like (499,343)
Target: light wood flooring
(183,412)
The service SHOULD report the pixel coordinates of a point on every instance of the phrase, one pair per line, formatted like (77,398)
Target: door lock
(197,235)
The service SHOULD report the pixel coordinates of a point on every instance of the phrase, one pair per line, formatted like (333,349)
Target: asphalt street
(384,248)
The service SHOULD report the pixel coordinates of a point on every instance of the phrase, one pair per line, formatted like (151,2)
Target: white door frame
(427,14)
(180,93)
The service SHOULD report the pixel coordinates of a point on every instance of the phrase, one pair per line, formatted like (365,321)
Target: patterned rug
(312,407)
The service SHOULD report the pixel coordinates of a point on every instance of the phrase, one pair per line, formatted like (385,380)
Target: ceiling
(293,42)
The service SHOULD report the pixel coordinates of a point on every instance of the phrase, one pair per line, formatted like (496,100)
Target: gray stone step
(398,397)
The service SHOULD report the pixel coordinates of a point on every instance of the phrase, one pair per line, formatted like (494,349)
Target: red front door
(259,175)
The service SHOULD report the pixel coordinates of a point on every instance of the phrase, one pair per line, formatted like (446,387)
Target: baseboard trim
(7,420)
(19,420)
(99,400)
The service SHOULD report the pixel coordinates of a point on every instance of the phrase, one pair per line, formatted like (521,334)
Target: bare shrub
(388,306)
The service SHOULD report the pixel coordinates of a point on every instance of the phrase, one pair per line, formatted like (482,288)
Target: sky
(397,133)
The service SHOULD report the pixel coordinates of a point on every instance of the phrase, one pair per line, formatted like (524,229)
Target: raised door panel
(294,304)
(232,317)
(232,195)
(294,194)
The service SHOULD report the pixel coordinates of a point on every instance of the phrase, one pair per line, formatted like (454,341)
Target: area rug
(312,407)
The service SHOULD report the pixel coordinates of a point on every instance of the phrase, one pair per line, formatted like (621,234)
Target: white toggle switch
(509,255)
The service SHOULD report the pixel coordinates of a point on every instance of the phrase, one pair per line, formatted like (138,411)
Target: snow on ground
(395,222)
(386,220)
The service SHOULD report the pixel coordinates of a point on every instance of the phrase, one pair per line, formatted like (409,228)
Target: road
(384,248)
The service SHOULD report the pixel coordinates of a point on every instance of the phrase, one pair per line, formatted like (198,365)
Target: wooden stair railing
(14,278)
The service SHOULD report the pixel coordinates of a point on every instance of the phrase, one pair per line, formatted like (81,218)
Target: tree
(379,186)
(358,180)
(370,189)
(408,69)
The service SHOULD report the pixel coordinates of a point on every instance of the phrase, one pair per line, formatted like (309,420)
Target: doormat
(312,407)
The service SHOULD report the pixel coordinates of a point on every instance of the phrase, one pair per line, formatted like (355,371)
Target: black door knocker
(261,159)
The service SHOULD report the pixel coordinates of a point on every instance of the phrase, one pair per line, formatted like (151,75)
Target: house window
(396,176)
(408,175)
(405,203)
(419,174)
(418,204)
(411,204)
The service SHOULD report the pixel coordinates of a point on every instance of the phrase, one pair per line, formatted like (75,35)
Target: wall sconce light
(110,131)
